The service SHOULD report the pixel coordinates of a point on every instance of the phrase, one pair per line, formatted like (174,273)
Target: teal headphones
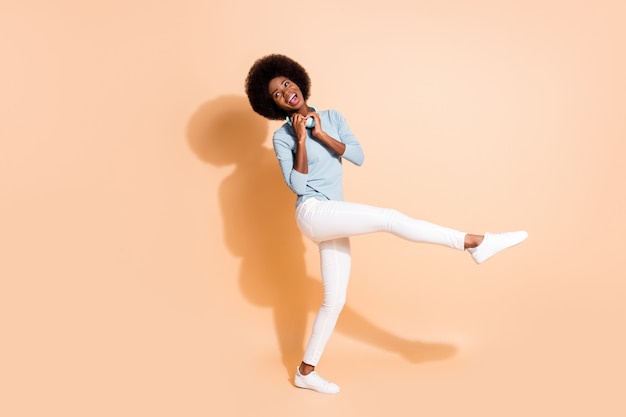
(310,122)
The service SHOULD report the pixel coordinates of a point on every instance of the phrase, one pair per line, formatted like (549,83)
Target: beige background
(150,264)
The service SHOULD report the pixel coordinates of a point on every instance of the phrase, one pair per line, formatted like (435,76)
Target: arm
(293,164)
(290,157)
(301,162)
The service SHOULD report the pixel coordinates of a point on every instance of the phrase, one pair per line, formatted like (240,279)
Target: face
(286,94)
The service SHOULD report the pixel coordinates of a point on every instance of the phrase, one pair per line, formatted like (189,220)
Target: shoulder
(332,115)
(284,130)
(283,135)
(330,112)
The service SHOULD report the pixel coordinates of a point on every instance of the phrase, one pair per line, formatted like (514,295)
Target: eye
(286,83)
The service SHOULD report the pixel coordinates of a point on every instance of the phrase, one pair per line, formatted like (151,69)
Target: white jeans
(329,224)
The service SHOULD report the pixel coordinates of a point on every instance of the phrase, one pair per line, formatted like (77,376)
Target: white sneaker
(315,382)
(496,242)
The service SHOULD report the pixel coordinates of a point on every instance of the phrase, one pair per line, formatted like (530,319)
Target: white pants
(329,224)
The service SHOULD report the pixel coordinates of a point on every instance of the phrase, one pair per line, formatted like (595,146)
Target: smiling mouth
(293,99)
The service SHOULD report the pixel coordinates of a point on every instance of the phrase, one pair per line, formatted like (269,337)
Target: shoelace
(318,379)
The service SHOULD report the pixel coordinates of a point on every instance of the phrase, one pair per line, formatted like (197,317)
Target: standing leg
(335,263)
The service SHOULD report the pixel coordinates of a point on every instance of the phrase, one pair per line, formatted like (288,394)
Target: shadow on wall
(260,228)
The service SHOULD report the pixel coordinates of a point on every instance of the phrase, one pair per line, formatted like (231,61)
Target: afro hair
(263,71)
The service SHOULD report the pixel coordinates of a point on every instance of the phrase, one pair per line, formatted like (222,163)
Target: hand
(298,122)
(317,128)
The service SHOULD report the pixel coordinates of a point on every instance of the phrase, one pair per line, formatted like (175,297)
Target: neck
(303,110)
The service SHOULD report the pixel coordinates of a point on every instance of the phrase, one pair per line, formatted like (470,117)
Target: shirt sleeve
(354,152)
(294,179)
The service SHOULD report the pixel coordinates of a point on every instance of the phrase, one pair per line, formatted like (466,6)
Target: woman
(310,147)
